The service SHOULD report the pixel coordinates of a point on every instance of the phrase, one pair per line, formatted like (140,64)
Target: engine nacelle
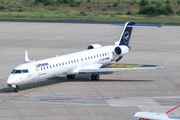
(93,46)
(121,50)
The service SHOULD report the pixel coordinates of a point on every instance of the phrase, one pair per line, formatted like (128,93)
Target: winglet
(164,65)
(26,59)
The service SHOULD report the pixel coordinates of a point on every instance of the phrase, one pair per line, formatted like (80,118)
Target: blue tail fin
(126,34)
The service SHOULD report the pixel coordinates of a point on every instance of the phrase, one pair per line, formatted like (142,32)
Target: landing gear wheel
(95,77)
(70,76)
(17,87)
(15,90)
(92,76)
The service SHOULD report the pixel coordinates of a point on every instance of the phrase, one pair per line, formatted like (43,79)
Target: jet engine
(93,46)
(121,50)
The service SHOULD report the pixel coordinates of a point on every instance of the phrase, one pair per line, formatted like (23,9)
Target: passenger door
(33,72)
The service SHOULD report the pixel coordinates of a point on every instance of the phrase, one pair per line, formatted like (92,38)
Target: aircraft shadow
(56,80)
(43,82)
(105,80)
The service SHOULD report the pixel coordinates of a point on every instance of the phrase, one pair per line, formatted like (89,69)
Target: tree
(143,2)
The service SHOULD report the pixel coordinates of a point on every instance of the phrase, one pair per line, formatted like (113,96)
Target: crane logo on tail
(126,37)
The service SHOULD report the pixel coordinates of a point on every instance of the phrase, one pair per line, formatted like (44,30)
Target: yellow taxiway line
(29,92)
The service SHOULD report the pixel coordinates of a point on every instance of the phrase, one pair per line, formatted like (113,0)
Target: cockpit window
(17,72)
(20,71)
(13,71)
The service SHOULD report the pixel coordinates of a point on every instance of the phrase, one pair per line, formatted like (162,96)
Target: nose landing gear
(16,88)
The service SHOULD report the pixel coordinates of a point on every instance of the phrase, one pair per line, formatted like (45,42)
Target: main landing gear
(95,77)
(70,76)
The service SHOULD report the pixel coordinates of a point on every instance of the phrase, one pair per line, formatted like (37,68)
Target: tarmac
(116,96)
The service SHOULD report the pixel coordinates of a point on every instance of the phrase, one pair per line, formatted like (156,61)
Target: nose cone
(10,79)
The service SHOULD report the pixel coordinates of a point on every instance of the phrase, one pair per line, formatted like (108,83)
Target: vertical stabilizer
(126,34)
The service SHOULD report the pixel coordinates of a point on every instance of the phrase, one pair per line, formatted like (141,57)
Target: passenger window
(59,64)
(56,65)
(47,67)
(44,68)
(41,69)
(105,54)
(62,63)
(71,61)
(66,63)
(94,56)
(25,71)
(85,58)
(53,66)
(97,55)
(91,57)
(74,61)
(88,58)
(102,54)
(82,59)
(50,66)
(77,60)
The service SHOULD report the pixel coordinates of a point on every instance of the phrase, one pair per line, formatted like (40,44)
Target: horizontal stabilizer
(138,25)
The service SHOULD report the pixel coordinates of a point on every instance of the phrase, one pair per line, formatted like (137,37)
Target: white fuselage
(63,65)
(154,116)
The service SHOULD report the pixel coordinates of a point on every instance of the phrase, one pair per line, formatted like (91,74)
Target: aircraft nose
(10,80)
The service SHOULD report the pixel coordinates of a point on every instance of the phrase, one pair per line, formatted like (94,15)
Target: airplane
(154,116)
(143,115)
(87,61)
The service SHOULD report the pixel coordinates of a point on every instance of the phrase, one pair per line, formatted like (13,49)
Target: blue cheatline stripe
(138,25)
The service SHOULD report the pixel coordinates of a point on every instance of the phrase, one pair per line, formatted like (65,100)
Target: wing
(115,69)
(119,69)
